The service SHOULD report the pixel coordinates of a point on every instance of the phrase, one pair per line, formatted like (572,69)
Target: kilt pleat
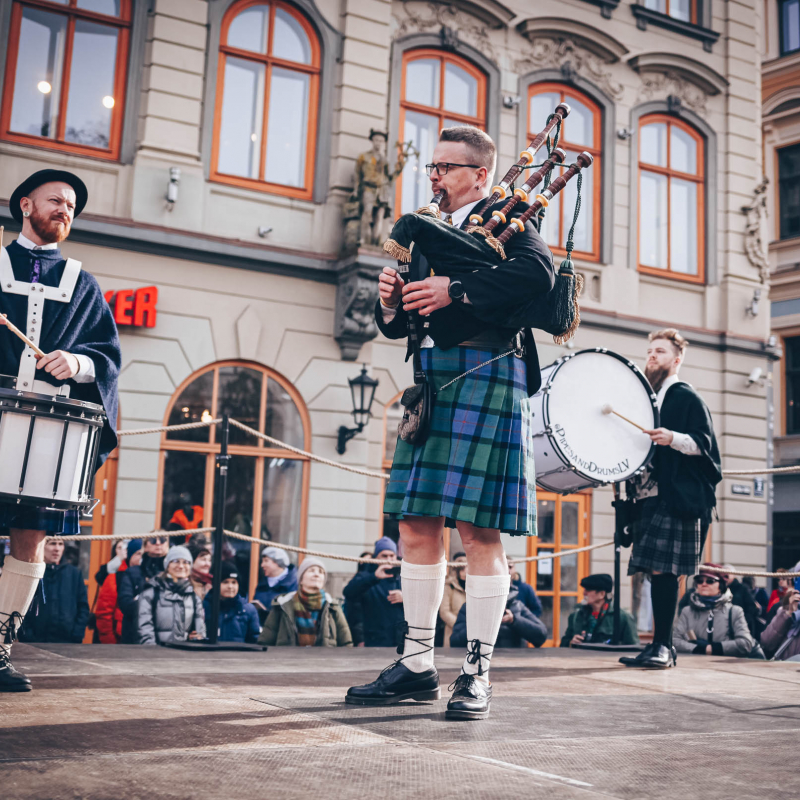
(477,463)
(665,543)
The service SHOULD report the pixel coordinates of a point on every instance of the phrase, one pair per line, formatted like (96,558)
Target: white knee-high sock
(486,603)
(18,585)
(423,587)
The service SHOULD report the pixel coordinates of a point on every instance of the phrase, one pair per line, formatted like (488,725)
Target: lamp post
(362,390)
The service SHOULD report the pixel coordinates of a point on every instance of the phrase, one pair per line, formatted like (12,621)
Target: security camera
(511,101)
(754,376)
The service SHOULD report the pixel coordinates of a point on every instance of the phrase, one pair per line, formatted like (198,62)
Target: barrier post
(618,523)
(221,494)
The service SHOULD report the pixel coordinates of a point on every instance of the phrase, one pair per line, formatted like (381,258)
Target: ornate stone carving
(356,296)
(755,231)
(564,54)
(666,85)
(448,21)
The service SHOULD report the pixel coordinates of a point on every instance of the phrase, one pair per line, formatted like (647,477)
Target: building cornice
(709,80)
(596,41)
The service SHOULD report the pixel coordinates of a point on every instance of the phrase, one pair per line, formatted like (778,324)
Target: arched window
(671,199)
(266,102)
(65,75)
(438,90)
(267,486)
(582,130)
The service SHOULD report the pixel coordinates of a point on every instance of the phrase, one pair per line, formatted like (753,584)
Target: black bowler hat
(48,176)
(598,583)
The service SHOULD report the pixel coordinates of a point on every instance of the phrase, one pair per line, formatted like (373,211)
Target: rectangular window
(792,347)
(683,10)
(789,20)
(789,191)
(65,75)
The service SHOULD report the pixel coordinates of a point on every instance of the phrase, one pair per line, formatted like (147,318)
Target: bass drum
(576,445)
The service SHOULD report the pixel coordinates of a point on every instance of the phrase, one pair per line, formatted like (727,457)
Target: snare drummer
(675,496)
(76,330)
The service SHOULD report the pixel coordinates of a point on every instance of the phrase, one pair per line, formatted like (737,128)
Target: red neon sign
(137,308)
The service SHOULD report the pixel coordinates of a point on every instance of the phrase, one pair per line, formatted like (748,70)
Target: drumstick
(607,409)
(17,332)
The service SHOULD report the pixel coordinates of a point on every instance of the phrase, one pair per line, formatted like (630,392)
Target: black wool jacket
(526,273)
(687,483)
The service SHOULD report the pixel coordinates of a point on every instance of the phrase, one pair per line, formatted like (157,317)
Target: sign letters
(137,308)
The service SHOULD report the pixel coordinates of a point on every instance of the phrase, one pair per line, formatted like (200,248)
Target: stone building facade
(780,96)
(219,169)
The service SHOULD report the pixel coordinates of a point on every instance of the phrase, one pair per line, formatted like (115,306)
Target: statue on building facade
(755,232)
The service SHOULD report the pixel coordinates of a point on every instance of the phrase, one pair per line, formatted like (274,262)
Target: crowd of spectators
(152,593)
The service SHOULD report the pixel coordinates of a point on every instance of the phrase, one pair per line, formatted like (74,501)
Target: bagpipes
(452,251)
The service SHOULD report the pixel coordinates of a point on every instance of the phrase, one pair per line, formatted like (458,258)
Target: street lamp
(362,389)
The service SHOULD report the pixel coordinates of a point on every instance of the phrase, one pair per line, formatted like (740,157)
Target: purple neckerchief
(36,268)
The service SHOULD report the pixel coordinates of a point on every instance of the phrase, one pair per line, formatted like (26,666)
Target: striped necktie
(449,219)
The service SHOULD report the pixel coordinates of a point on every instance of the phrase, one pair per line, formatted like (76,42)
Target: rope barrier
(185,427)
(750,573)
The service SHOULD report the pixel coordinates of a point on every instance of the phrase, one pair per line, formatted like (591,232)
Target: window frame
(444,56)
(124,24)
(700,178)
(314,70)
(781,30)
(787,373)
(596,150)
(778,204)
(260,451)
(693,16)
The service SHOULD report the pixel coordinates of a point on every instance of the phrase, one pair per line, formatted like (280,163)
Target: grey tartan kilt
(665,543)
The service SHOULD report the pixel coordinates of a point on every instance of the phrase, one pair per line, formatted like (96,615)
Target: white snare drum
(48,449)
(576,445)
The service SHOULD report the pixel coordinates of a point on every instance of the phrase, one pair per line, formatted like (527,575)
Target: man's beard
(48,229)
(656,376)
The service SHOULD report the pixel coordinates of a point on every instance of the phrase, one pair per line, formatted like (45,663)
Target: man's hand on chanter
(427,296)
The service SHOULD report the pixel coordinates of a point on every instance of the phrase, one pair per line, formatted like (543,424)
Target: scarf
(307,609)
(707,602)
(594,618)
(202,577)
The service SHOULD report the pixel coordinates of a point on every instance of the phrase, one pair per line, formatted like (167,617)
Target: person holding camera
(781,639)
(377,590)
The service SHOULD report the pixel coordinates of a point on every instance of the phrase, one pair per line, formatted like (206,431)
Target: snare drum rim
(70,402)
(546,409)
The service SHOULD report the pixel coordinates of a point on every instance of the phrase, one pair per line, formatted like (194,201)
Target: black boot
(471,698)
(394,684)
(636,661)
(652,650)
(11,679)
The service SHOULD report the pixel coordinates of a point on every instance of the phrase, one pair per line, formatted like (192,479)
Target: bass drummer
(76,330)
(674,497)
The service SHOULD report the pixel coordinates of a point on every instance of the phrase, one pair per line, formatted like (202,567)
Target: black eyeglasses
(443,166)
(706,579)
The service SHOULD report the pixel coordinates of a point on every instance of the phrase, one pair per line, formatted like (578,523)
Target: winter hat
(178,552)
(384,543)
(228,570)
(134,546)
(710,574)
(280,557)
(598,583)
(309,561)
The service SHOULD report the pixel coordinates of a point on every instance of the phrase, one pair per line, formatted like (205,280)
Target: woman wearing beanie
(108,616)
(309,617)
(238,619)
(711,624)
(169,609)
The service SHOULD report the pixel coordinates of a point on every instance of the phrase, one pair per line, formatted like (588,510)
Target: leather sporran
(417,402)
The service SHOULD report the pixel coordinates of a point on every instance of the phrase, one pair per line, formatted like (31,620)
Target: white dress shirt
(458,217)
(85,373)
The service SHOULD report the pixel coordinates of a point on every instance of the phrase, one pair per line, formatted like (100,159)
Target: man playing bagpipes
(75,329)
(474,471)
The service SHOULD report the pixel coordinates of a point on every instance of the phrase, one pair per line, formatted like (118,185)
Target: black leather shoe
(394,684)
(636,661)
(471,699)
(660,657)
(12,680)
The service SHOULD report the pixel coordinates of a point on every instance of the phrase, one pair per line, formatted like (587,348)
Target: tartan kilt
(35,518)
(477,462)
(665,543)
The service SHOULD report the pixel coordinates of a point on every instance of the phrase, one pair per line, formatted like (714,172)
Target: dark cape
(687,483)
(493,293)
(84,326)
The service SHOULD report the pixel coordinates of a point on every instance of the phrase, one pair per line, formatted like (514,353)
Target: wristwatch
(456,290)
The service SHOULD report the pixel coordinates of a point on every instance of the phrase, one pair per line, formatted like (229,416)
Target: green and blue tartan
(477,463)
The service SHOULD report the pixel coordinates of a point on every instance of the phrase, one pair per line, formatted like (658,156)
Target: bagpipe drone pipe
(453,252)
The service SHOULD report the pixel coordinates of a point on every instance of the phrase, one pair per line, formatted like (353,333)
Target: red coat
(107,614)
